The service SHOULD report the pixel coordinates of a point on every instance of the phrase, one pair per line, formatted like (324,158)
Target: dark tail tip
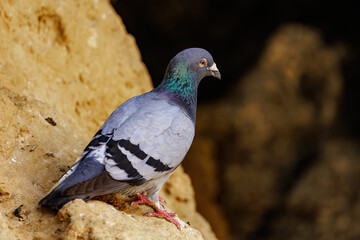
(56,201)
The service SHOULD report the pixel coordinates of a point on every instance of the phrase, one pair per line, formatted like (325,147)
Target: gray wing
(150,143)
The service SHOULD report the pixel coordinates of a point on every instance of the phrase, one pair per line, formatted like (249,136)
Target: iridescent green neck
(181,86)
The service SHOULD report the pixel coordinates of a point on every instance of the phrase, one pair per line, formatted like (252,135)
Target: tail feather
(55,200)
(80,172)
(86,179)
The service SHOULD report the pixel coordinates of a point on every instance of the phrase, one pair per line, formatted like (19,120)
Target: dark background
(236,34)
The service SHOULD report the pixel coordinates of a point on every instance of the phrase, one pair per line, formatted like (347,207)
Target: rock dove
(143,141)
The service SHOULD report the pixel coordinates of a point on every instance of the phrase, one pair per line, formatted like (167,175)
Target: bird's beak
(214,71)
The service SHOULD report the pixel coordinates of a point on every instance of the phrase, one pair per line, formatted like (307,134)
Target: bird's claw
(168,216)
(142,199)
(159,212)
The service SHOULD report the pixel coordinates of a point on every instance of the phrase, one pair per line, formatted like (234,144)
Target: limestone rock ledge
(64,67)
(98,220)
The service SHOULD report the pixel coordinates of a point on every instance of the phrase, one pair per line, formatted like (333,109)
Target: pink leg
(142,199)
(160,213)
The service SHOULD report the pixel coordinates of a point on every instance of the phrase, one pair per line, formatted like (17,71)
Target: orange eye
(202,62)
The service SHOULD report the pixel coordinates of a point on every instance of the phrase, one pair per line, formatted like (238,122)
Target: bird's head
(196,62)
(183,75)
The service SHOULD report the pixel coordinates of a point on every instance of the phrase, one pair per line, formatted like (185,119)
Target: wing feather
(154,140)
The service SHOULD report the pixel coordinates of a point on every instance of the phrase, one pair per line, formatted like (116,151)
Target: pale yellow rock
(33,153)
(98,220)
(64,67)
(74,55)
(5,231)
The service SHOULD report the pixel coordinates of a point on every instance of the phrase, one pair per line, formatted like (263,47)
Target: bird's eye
(202,62)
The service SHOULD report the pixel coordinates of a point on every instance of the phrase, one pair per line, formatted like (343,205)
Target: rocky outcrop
(64,67)
(74,55)
(98,220)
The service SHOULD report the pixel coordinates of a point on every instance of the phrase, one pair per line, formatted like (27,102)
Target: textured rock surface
(272,135)
(64,66)
(5,232)
(74,55)
(33,154)
(98,220)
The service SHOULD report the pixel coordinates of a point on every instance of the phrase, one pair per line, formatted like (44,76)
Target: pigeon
(142,142)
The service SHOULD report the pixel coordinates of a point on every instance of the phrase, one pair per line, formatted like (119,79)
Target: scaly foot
(160,213)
